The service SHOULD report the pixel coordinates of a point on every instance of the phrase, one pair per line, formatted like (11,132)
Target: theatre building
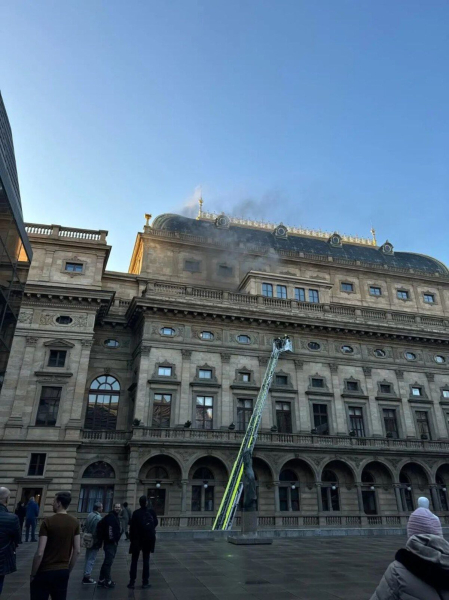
(123,384)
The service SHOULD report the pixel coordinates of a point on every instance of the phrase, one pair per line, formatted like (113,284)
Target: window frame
(300,294)
(74,262)
(372,289)
(419,420)
(57,411)
(289,424)
(349,285)
(201,423)
(39,454)
(246,411)
(281,291)
(192,260)
(110,416)
(319,415)
(57,351)
(166,328)
(358,420)
(159,404)
(402,294)
(429,295)
(164,368)
(314,296)
(202,370)
(241,335)
(83,501)
(267,290)
(394,419)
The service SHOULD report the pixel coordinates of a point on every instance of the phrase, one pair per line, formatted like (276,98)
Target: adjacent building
(121,384)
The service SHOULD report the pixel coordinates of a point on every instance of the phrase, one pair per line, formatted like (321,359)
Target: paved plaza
(305,568)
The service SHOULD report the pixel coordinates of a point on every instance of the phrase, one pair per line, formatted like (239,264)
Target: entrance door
(156,496)
(27,493)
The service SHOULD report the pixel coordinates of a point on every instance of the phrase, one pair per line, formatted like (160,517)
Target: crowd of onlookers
(420,571)
(60,541)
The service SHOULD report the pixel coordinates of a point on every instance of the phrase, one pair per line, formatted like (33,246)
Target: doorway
(27,493)
(156,497)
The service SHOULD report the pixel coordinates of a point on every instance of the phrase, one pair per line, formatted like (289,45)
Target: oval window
(347,349)
(313,346)
(410,356)
(206,335)
(111,343)
(440,359)
(380,353)
(167,331)
(244,339)
(64,320)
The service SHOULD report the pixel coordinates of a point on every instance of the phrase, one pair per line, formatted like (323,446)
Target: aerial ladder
(228,506)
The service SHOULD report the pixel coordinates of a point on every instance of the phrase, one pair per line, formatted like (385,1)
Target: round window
(111,343)
(207,335)
(167,331)
(440,359)
(380,353)
(313,346)
(244,339)
(410,356)
(347,349)
(64,320)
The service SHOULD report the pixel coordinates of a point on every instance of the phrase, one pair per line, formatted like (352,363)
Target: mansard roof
(298,243)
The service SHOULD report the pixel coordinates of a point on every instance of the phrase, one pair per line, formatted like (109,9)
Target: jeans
(30,523)
(2,579)
(50,583)
(109,555)
(146,566)
(91,555)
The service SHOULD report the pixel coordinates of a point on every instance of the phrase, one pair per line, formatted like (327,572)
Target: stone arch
(304,459)
(201,454)
(441,465)
(301,468)
(214,463)
(402,468)
(165,460)
(260,465)
(93,459)
(344,471)
(382,468)
(99,373)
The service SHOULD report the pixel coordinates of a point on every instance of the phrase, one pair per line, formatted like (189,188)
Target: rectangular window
(320,419)
(267,290)
(374,290)
(224,271)
(283,417)
(57,358)
(317,382)
(352,386)
(314,296)
(47,412)
(283,499)
(281,291)
(95,494)
(281,379)
(193,266)
(161,410)
(347,287)
(246,377)
(209,498)
(356,421)
(300,294)
(330,498)
(205,373)
(385,388)
(429,298)
(244,412)
(422,419)
(204,412)
(445,393)
(73,267)
(196,498)
(164,371)
(37,464)
(416,391)
(402,294)
(391,426)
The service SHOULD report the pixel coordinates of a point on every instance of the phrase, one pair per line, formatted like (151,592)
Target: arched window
(406,493)
(367,477)
(157,473)
(103,402)
(330,497)
(288,491)
(203,473)
(102,493)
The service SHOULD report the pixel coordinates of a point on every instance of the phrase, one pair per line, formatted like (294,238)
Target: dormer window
(57,358)
(74,267)
(267,290)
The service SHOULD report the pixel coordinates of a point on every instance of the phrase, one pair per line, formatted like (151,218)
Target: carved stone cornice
(187,354)
(225,357)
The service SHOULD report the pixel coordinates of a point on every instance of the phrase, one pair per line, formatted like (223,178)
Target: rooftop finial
(200,202)
(373,233)
(147,217)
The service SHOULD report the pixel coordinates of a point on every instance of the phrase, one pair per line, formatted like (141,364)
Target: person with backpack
(142,534)
(91,542)
(108,534)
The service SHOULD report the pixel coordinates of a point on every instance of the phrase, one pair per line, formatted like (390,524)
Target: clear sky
(330,114)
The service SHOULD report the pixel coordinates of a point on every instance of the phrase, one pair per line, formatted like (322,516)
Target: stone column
(340,412)
(80,386)
(142,399)
(440,421)
(372,403)
(133,473)
(397,493)
(410,430)
(303,414)
(319,498)
(184,412)
(184,483)
(17,412)
(360,497)
(435,498)
(277,506)
(227,409)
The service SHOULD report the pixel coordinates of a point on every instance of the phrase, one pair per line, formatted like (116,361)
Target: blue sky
(331,114)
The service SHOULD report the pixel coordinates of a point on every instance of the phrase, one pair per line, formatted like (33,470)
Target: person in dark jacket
(142,534)
(9,537)
(109,531)
(32,512)
(21,512)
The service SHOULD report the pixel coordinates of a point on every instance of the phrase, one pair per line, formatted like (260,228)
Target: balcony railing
(58,231)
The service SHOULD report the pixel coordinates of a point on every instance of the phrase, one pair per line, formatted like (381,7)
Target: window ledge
(164,381)
(53,373)
(318,392)
(355,395)
(391,398)
(420,400)
(208,383)
(241,385)
(33,479)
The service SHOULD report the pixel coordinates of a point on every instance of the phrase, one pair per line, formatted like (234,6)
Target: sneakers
(130,585)
(109,584)
(88,581)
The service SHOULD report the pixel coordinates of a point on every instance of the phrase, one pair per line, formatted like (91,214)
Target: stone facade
(107,371)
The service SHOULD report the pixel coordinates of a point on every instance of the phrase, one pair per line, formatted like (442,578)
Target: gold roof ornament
(373,233)
(316,233)
(147,217)
(200,209)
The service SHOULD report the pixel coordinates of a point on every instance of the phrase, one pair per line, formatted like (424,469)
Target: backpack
(88,540)
(148,530)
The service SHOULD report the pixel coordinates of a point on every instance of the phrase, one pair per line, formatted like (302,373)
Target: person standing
(125,517)
(9,537)
(32,512)
(142,534)
(57,552)
(109,532)
(91,542)
(21,512)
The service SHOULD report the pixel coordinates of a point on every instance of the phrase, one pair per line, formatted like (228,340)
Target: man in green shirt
(57,552)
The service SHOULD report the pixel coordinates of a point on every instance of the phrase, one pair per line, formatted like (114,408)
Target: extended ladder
(228,506)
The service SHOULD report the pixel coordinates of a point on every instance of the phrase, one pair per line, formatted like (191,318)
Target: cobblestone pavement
(305,568)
